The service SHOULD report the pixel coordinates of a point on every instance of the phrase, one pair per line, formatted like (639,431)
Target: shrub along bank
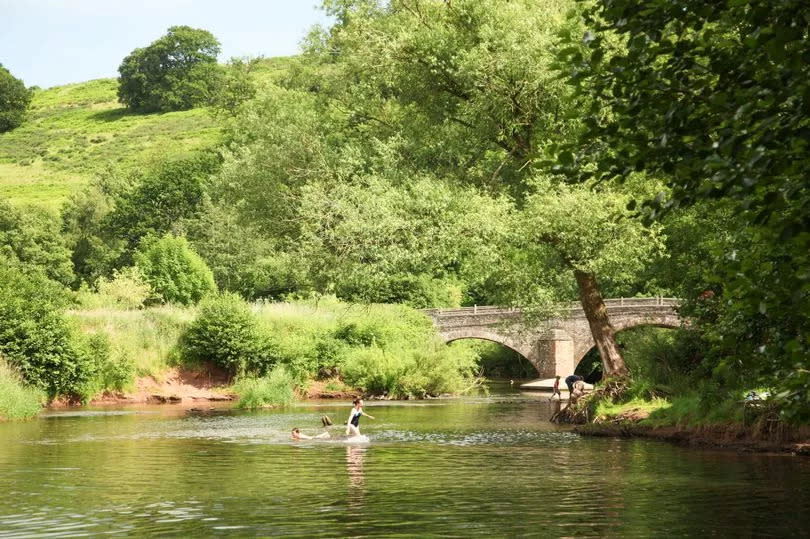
(384,350)
(673,394)
(271,350)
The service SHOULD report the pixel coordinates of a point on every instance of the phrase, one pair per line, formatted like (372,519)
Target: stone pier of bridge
(554,346)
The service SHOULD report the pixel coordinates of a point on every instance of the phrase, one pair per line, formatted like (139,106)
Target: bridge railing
(610,302)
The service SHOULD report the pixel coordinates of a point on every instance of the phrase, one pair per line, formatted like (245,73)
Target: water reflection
(355,458)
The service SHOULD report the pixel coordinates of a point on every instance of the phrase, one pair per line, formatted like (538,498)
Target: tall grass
(272,390)
(389,350)
(17,401)
(146,338)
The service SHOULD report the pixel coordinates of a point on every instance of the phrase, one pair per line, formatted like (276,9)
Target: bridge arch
(583,365)
(621,324)
(486,334)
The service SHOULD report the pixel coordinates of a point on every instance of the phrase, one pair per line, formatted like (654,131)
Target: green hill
(73,131)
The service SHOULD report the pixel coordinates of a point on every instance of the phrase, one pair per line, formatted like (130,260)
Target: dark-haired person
(569,381)
(353,424)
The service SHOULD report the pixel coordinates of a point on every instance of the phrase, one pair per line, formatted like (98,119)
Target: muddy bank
(189,386)
(736,437)
(175,386)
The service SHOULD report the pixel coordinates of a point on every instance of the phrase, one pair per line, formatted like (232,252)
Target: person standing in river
(353,424)
(556,390)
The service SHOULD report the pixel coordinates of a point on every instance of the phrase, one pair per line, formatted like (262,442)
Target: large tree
(469,87)
(715,97)
(14,100)
(177,71)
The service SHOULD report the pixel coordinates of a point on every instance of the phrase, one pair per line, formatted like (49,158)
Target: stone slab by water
(547,384)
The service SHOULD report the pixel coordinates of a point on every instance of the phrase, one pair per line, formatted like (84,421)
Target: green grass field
(75,130)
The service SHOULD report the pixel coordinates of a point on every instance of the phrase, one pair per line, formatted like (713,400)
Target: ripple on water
(476,467)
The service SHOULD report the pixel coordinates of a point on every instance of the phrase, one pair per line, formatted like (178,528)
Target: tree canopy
(177,71)
(714,98)
(14,100)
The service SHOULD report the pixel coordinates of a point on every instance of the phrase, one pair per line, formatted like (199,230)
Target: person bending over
(569,381)
(353,424)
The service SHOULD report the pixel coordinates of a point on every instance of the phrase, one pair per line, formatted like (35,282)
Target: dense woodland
(428,154)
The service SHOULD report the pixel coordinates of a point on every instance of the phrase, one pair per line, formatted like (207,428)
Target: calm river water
(485,466)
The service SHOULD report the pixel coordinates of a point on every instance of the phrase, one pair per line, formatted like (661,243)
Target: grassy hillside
(75,130)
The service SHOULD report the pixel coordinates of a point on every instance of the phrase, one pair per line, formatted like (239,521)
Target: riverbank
(653,420)
(179,385)
(736,437)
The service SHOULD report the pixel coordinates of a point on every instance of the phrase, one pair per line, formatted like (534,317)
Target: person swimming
(298,435)
(353,424)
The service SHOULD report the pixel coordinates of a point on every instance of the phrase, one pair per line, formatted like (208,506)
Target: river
(473,466)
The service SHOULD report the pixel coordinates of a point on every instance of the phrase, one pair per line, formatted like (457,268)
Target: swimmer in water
(353,424)
(298,435)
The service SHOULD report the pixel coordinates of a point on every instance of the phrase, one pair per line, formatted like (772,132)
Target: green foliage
(590,231)
(174,270)
(412,243)
(226,333)
(395,352)
(735,133)
(142,340)
(37,338)
(177,71)
(160,198)
(662,361)
(274,389)
(14,100)
(466,84)
(17,400)
(32,238)
(127,289)
(106,222)
(242,259)
(238,86)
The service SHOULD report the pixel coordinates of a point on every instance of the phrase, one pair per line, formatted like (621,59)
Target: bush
(127,289)
(177,71)
(397,353)
(37,338)
(17,400)
(32,237)
(662,361)
(226,334)
(274,389)
(14,100)
(109,373)
(175,271)
(380,349)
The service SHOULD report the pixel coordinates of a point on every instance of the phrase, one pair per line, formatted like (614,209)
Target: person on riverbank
(556,390)
(569,381)
(353,424)
(298,435)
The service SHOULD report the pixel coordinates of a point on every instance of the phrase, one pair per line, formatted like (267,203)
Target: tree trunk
(604,335)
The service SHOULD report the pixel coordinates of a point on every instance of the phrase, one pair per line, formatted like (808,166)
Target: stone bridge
(553,346)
